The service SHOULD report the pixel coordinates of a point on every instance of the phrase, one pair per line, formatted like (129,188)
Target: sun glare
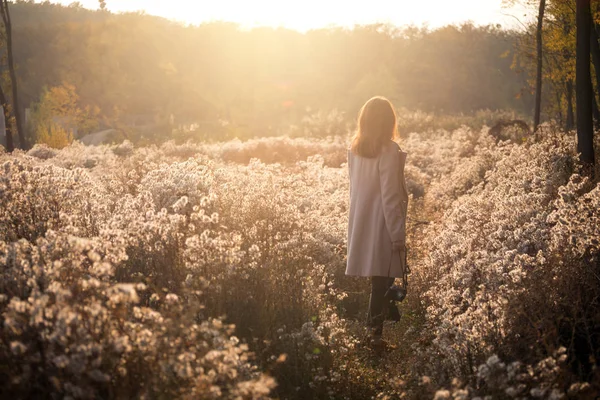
(311,14)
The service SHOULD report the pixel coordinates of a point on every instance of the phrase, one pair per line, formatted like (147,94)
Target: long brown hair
(376,126)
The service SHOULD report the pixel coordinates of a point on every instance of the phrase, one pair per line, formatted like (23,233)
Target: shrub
(126,271)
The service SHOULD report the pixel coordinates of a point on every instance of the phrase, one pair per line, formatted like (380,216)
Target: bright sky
(303,15)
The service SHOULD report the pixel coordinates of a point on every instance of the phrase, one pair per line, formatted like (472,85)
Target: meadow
(216,270)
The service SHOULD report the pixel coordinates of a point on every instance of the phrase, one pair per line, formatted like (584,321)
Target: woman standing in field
(378,208)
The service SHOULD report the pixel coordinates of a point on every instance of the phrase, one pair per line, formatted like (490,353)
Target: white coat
(378,208)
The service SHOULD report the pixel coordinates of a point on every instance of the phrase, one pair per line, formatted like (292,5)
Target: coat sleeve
(391,194)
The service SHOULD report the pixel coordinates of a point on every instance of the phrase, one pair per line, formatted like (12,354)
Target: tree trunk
(559,93)
(570,114)
(595,49)
(7,129)
(538,78)
(584,90)
(13,76)
(595,111)
(7,123)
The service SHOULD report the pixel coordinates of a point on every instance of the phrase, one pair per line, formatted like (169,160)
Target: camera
(395,293)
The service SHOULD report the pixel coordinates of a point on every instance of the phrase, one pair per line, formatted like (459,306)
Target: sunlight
(309,199)
(312,14)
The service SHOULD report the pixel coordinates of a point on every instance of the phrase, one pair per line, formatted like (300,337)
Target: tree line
(111,68)
(567,57)
(257,80)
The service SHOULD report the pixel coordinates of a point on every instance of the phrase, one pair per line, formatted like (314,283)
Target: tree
(10,146)
(4,12)
(538,79)
(570,114)
(583,82)
(57,117)
(136,67)
(595,49)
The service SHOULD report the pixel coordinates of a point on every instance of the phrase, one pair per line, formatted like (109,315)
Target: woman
(378,207)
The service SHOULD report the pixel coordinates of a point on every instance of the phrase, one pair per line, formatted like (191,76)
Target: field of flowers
(217,271)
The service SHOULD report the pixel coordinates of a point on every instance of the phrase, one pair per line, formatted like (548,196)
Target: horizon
(313,14)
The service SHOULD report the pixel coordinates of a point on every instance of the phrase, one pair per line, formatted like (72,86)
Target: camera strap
(405,270)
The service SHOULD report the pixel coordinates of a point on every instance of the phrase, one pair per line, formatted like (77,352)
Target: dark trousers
(377,303)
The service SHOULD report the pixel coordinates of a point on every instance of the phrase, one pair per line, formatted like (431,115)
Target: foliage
(57,117)
(53,135)
(141,70)
(559,31)
(420,121)
(125,269)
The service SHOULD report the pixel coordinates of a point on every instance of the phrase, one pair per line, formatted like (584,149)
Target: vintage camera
(395,293)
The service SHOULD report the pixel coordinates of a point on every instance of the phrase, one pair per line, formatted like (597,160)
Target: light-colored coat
(378,208)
